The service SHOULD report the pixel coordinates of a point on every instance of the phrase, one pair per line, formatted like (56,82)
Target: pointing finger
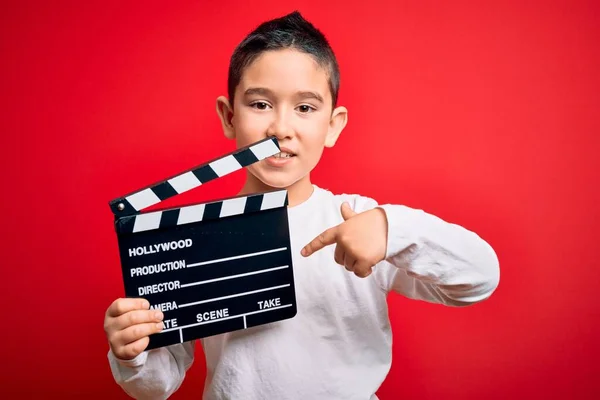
(324,239)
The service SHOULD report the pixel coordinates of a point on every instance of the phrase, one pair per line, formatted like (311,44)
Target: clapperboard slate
(213,267)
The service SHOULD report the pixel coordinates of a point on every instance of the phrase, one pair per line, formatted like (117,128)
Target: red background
(486,115)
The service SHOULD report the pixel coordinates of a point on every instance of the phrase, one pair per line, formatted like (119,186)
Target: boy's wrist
(137,361)
(397,238)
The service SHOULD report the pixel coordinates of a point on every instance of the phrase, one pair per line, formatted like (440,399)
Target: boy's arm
(432,260)
(153,374)
(410,252)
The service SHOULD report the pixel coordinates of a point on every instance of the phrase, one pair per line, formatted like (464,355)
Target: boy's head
(283,82)
(288,32)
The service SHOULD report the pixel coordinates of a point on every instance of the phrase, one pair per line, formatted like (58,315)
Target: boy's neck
(298,192)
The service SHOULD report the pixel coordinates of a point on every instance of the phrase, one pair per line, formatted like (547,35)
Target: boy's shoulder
(358,202)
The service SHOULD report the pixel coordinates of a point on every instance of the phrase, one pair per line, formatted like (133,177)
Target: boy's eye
(261,105)
(305,108)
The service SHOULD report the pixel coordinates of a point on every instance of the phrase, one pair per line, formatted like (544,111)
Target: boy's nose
(281,129)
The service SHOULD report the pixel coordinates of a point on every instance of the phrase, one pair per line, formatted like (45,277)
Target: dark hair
(289,31)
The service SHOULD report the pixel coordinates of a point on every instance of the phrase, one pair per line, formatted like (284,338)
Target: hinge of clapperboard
(133,203)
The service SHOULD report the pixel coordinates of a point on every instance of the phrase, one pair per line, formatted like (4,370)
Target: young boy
(348,251)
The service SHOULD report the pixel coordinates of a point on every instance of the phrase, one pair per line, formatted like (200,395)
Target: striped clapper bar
(214,267)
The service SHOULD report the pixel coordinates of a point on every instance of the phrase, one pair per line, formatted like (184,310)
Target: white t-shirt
(338,346)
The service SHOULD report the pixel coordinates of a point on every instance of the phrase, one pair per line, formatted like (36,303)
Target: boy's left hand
(361,240)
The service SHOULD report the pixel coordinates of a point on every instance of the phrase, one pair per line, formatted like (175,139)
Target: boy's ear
(225,112)
(339,119)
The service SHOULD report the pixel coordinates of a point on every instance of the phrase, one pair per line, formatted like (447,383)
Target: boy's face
(285,94)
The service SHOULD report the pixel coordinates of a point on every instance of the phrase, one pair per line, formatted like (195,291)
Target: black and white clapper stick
(213,267)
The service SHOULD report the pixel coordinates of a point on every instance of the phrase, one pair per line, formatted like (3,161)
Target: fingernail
(159,326)
(303,252)
(158,315)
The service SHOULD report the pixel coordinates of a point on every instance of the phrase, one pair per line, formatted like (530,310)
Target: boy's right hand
(128,323)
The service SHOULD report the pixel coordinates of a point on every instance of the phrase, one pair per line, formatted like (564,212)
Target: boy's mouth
(283,154)
(281,159)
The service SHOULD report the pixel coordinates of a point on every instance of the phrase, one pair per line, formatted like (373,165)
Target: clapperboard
(213,267)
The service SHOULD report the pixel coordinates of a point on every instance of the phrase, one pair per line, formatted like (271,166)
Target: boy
(348,251)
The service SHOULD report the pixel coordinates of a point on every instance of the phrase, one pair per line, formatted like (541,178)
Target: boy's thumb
(347,211)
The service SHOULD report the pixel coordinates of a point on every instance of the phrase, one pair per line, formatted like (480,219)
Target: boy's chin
(274,181)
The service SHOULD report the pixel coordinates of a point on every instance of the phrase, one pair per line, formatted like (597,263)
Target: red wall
(485,115)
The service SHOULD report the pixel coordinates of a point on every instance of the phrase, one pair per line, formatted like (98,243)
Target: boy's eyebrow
(267,92)
(258,90)
(311,95)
